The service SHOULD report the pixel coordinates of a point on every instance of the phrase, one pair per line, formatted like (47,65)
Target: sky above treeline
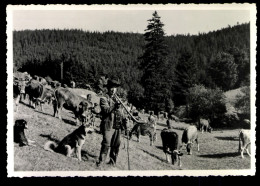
(177,19)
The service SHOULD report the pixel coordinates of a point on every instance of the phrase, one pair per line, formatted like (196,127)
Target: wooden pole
(61,71)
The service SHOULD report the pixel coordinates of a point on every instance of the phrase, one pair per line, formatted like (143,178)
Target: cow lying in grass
(244,142)
(190,134)
(170,142)
(144,129)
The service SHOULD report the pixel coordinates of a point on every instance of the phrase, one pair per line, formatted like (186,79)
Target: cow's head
(176,156)
(188,147)
(21,84)
(210,129)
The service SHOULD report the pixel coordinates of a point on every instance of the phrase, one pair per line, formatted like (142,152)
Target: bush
(205,103)
(242,103)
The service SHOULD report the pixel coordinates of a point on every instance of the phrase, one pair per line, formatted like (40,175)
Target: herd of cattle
(40,91)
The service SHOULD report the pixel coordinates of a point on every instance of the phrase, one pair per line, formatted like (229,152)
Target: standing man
(112,121)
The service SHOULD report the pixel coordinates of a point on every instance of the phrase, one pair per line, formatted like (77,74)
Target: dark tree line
(215,59)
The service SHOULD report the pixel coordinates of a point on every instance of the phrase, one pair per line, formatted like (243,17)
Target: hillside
(218,150)
(86,56)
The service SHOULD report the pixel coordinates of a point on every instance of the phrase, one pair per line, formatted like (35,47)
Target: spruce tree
(154,65)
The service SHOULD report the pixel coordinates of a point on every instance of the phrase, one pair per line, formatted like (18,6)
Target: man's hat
(112,84)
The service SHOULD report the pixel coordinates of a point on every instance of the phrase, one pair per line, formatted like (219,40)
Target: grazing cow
(190,134)
(170,142)
(144,129)
(70,101)
(38,93)
(244,142)
(204,126)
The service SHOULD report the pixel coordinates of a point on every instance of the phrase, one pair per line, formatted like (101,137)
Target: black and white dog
(19,135)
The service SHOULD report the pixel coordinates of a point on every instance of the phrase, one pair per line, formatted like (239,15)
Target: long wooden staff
(128,112)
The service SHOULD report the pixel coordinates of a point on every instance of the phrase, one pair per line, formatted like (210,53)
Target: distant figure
(169,123)
(72,84)
(151,120)
(89,98)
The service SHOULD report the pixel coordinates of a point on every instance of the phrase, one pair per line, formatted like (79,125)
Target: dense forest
(218,59)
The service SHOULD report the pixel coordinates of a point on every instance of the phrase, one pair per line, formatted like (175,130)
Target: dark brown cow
(70,101)
(170,142)
(38,93)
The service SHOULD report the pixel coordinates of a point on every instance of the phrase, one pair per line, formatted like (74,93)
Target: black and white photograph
(131,90)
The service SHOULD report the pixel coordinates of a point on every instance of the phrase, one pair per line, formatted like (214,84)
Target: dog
(73,142)
(19,135)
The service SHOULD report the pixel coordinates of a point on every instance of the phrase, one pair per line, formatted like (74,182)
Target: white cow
(244,142)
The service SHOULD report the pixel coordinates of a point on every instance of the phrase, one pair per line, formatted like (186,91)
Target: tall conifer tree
(154,65)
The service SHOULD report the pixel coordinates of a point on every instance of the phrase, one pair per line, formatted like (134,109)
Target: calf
(170,142)
(190,134)
(244,142)
(70,101)
(204,126)
(144,129)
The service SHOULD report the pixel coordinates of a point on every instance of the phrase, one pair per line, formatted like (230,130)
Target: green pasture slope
(218,150)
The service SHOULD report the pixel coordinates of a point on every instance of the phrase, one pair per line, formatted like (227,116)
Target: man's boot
(113,156)
(102,156)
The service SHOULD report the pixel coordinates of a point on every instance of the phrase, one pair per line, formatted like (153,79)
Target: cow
(142,111)
(144,129)
(55,84)
(19,83)
(244,142)
(38,93)
(18,91)
(190,134)
(43,81)
(170,142)
(204,125)
(75,103)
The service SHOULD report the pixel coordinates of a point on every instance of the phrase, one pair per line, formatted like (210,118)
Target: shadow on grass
(47,114)
(159,147)
(26,104)
(222,155)
(161,124)
(87,155)
(153,155)
(49,137)
(227,138)
(69,122)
